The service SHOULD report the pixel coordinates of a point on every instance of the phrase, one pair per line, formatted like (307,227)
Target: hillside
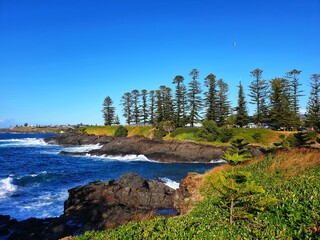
(290,176)
(262,137)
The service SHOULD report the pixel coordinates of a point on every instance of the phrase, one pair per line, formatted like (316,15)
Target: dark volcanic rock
(96,206)
(75,138)
(102,205)
(167,151)
(37,229)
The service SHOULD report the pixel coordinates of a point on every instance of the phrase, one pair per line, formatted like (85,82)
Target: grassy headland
(29,129)
(291,176)
(263,137)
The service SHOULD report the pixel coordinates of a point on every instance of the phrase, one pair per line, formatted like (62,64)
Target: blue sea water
(34,178)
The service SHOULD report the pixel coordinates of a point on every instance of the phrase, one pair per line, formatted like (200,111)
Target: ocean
(34,178)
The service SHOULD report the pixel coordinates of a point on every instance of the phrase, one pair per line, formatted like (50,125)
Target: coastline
(155,149)
(68,223)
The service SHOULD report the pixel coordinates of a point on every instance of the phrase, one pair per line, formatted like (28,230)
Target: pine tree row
(276,103)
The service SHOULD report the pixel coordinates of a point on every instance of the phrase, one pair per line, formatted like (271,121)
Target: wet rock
(75,138)
(165,151)
(102,205)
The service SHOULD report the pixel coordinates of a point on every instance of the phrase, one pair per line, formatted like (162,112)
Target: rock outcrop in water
(97,206)
(74,138)
(102,205)
(160,150)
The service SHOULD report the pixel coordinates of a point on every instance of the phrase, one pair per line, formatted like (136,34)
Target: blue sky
(59,59)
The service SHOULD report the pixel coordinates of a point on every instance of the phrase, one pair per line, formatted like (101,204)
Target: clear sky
(59,59)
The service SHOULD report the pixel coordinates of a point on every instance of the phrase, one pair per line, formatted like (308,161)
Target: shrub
(300,138)
(209,131)
(257,136)
(168,126)
(291,141)
(121,131)
(225,134)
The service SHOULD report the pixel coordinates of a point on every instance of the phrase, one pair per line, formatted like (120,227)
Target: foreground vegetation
(292,177)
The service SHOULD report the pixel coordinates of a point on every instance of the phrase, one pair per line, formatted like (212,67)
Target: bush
(121,131)
(168,127)
(257,136)
(291,141)
(209,131)
(225,134)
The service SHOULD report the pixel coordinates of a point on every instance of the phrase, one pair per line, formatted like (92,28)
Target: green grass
(263,137)
(100,130)
(139,130)
(110,130)
(296,216)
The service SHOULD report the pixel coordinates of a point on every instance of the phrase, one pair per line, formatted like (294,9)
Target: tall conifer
(136,106)
(152,100)
(258,94)
(144,106)
(108,111)
(280,112)
(126,102)
(223,104)
(194,91)
(313,108)
(211,97)
(178,80)
(295,93)
(241,109)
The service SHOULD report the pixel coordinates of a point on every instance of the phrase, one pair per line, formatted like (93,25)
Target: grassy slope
(293,177)
(264,137)
(110,130)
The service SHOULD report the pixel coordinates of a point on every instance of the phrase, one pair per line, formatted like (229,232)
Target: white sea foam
(83,148)
(6,187)
(170,183)
(46,205)
(125,158)
(22,142)
(218,161)
(38,174)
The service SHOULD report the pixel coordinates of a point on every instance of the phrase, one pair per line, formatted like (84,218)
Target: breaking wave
(6,187)
(170,183)
(218,161)
(22,142)
(83,148)
(125,158)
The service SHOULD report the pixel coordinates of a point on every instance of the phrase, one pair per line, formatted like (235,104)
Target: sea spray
(6,187)
(24,142)
(170,183)
(83,148)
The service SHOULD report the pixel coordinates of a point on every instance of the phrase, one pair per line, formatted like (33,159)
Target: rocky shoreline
(103,205)
(155,149)
(100,205)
